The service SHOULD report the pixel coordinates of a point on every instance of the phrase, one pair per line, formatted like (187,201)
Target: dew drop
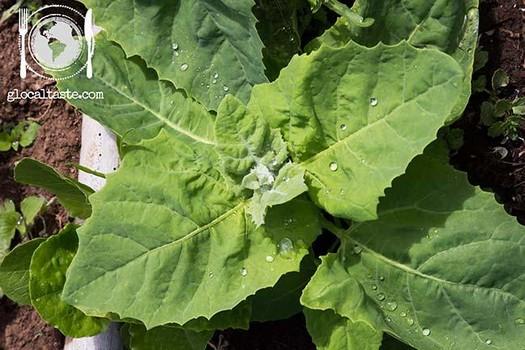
(20,221)
(488,342)
(403,314)
(184,67)
(373,101)
(285,246)
(392,306)
(269,258)
(214,81)
(226,89)
(216,76)
(244,272)
(358,249)
(381,297)
(381,278)
(210,274)
(333,166)
(426,332)
(175,46)
(343,127)
(520,321)
(410,321)
(374,287)
(388,319)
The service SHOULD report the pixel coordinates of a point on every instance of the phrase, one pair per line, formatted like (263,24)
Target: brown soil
(57,144)
(503,36)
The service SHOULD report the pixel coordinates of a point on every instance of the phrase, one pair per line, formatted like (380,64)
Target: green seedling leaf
(71,194)
(479,84)
(411,272)
(488,113)
(14,272)
(27,132)
(5,141)
(9,221)
(136,104)
(502,107)
(330,331)
(47,276)
(31,207)
(481,59)
(282,300)
(500,79)
(171,217)
(209,49)
(167,338)
(519,106)
(397,96)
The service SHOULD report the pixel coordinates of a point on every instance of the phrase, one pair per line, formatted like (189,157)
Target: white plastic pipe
(98,152)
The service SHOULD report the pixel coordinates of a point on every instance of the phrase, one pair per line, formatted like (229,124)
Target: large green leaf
(181,243)
(136,104)
(449,25)
(207,47)
(329,331)
(442,267)
(72,194)
(46,280)
(354,117)
(167,338)
(282,300)
(14,272)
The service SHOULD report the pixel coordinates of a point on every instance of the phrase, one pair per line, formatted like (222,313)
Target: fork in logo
(22,31)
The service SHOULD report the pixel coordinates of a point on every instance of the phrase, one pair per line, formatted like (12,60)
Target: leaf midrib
(163,119)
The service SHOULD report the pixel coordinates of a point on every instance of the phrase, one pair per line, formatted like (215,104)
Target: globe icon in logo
(55,43)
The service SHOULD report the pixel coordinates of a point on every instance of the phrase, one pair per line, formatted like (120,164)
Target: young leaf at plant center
(450,26)
(209,49)
(352,18)
(136,104)
(31,207)
(167,338)
(386,112)
(330,331)
(170,217)
(47,276)
(14,272)
(9,221)
(411,272)
(282,300)
(71,194)
(256,156)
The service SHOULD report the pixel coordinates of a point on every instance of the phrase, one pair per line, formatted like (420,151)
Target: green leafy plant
(502,116)
(228,176)
(13,136)
(11,221)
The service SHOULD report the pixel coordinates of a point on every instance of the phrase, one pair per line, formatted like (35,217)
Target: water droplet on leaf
(520,321)
(358,249)
(426,332)
(175,46)
(373,101)
(381,278)
(374,287)
(210,274)
(392,306)
(244,272)
(285,246)
(381,297)
(333,166)
(269,258)
(488,342)
(403,314)
(226,89)
(184,67)
(410,321)
(343,127)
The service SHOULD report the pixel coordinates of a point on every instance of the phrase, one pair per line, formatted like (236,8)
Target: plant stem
(343,10)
